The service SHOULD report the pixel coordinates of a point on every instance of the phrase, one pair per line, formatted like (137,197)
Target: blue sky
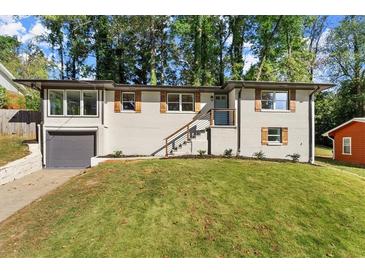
(28,28)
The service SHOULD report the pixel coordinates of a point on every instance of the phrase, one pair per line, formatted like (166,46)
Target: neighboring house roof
(6,81)
(360,119)
(111,85)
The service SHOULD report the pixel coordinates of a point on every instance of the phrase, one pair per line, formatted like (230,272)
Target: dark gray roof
(111,85)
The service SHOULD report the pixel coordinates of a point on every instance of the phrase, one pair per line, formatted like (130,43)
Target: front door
(220,117)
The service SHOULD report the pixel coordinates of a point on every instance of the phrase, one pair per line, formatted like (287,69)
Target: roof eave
(269,84)
(50,84)
(360,120)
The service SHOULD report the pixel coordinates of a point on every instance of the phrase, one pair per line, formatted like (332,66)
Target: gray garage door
(69,149)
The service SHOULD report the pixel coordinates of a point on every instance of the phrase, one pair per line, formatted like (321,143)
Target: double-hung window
(72,102)
(56,102)
(346,145)
(73,99)
(128,101)
(180,102)
(274,135)
(275,100)
(89,102)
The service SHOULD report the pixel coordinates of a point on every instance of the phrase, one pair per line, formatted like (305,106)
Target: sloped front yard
(11,149)
(195,208)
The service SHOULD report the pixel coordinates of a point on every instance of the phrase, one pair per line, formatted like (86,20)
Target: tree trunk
(197,51)
(266,47)
(153,76)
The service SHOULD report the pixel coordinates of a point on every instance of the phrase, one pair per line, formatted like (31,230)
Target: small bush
(259,155)
(118,154)
(201,152)
(228,152)
(294,157)
(3,97)
(33,100)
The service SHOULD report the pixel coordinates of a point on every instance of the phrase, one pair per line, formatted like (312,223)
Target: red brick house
(349,141)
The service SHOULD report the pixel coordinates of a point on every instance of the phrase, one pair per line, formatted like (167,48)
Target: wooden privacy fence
(19,122)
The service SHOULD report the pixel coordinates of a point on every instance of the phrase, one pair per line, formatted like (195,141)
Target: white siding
(143,133)
(297,123)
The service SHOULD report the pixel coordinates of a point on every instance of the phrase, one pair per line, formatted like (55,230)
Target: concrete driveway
(21,192)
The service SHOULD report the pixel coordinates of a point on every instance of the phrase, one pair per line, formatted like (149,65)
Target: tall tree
(223,33)
(346,59)
(315,29)
(56,38)
(264,40)
(9,50)
(237,26)
(103,47)
(198,45)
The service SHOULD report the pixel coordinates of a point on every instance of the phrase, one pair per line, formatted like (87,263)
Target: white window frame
(343,145)
(64,92)
(280,136)
(49,103)
(121,101)
(180,102)
(274,100)
(65,103)
(82,103)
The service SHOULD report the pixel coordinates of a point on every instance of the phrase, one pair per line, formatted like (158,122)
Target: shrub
(118,154)
(3,97)
(294,157)
(33,100)
(228,152)
(201,152)
(259,155)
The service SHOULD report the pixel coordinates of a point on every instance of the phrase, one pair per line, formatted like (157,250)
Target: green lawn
(346,167)
(12,148)
(322,151)
(195,208)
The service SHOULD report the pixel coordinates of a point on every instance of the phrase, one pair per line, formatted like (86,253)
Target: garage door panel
(69,149)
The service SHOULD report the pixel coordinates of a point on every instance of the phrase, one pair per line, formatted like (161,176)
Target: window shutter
(292,103)
(264,135)
(162,101)
(138,95)
(117,101)
(258,100)
(197,101)
(284,135)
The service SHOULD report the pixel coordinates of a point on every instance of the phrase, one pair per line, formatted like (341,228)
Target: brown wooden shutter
(197,101)
(138,101)
(163,107)
(258,100)
(264,135)
(284,135)
(117,101)
(292,97)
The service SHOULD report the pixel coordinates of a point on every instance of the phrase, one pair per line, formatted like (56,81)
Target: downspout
(40,126)
(311,126)
(239,121)
(333,146)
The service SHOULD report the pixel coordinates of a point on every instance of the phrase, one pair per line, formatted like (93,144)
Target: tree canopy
(205,50)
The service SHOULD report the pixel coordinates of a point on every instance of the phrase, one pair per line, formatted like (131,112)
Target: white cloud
(6,18)
(37,30)
(250,60)
(12,26)
(12,29)
(247,45)
(323,38)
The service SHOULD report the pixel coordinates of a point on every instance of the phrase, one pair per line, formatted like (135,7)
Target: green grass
(347,167)
(11,149)
(322,151)
(195,208)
